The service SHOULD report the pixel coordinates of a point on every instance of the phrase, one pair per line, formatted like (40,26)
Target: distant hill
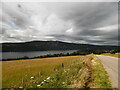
(51,45)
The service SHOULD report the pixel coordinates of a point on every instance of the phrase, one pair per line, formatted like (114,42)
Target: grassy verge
(100,76)
(113,55)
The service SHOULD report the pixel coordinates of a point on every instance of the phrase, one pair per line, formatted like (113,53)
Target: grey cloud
(91,17)
(10,14)
(84,18)
(88,14)
(96,17)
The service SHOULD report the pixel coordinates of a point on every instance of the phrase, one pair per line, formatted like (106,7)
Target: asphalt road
(111,66)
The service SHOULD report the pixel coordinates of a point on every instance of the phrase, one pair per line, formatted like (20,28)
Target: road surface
(111,66)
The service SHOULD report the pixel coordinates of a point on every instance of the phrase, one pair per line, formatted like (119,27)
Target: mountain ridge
(51,45)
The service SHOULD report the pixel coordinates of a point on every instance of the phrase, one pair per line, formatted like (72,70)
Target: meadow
(113,55)
(16,71)
(57,72)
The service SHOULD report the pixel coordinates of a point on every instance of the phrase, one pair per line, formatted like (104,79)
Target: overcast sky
(82,22)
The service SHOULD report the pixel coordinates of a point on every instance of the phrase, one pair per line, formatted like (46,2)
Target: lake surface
(6,55)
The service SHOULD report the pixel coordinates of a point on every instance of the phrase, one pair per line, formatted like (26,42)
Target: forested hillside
(51,45)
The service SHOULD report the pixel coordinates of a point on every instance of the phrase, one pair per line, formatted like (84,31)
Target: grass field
(113,55)
(15,71)
(57,72)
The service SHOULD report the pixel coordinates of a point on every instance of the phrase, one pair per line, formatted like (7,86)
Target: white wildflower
(31,77)
(48,78)
(63,82)
(38,85)
(20,87)
(42,82)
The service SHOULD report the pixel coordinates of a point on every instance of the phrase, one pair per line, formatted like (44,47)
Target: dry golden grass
(113,55)
(78,72)
(14,71)
(0,74)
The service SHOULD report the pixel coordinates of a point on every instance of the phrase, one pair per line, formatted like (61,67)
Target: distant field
(57,72)
(114,55)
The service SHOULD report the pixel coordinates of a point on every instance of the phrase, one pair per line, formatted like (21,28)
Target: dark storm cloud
(97,16)
(88,18)
(19,6)
(86,22)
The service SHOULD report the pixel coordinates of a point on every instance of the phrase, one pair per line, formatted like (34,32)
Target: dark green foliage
(52,45)
(99,51)
(9,59)
(105,51)
(113,51)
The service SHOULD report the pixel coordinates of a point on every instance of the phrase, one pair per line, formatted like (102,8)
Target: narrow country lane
(111,66)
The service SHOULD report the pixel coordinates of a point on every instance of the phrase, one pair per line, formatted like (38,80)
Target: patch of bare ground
(85,77)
